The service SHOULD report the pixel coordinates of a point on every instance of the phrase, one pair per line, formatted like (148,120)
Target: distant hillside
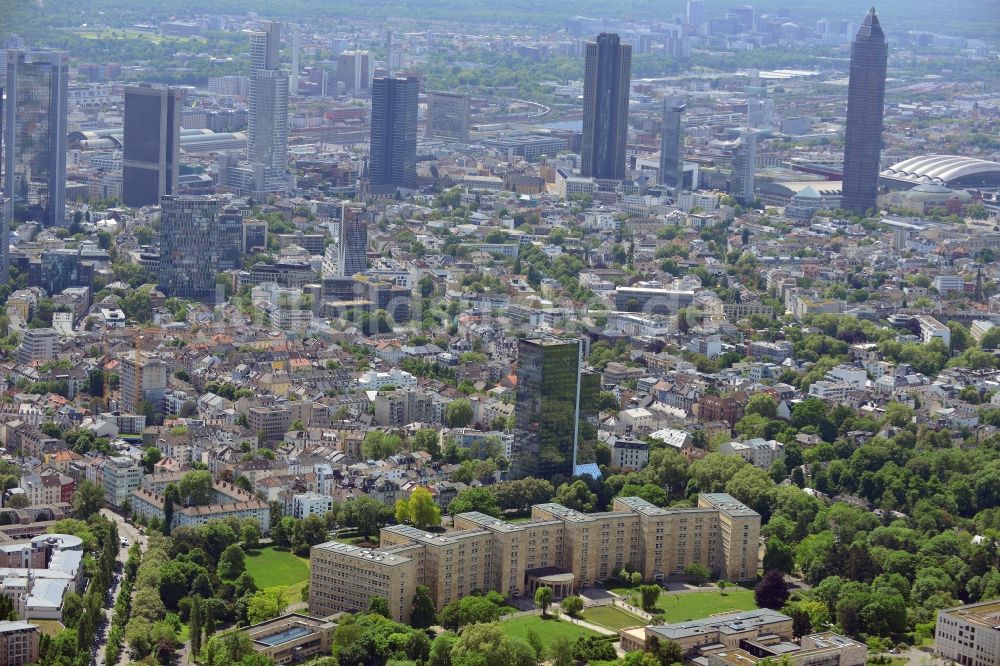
(966,17)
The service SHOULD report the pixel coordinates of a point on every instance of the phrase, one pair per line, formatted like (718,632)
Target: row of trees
(85,616)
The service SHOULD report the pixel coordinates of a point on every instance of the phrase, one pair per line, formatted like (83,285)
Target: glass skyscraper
(353,243)
(607,79)
(672,145)
(742,180)
(34,131)
(393,162)
(555,409)
(865,108)
(199,237)
(267,126)
(151,135)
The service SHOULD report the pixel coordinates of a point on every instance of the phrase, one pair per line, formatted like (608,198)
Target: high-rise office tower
(695,13)
(152,144)
(34,131)
(354,70)
(607,78)
(555,408)
(353,243)
(199,237)
(393,162)
(865,106)
(672,145)
(267,126)
(741,178)
(448,116)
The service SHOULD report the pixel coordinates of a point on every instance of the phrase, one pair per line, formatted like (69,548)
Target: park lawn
(684,606)
(549,629)
(277,567)
(612,618)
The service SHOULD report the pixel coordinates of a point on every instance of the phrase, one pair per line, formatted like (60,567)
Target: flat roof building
(560,548)
(969,635)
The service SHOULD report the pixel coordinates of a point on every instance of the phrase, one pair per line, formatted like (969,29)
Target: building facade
(969,635)
(267,127)
(393,162)
(606,85)
(199,237)
(18,643)
(560,548)
(151,135)
(34,137)
(353,243)
(672,145)
(865,108)
(742,179)
(555,408)
(448,116)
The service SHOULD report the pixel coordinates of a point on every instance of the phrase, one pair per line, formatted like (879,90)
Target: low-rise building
(18,643)
(969,635)
(291,638)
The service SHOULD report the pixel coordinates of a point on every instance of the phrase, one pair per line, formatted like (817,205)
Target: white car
(124,542)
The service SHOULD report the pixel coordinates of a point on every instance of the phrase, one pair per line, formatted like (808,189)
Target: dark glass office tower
(672,145)
(152,144)
(353,243)
(393,162)
(555,409)
(35,136)
(865,103)
(199,237)
(606,83)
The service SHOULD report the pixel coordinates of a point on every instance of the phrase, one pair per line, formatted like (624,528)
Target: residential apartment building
(228,501)
(121,476)
(931,328)
(945,284)
(757,451)
(969,635)
(311,504)
(405,406)
(559,548)
(38,344)
(630,454)
(18,643)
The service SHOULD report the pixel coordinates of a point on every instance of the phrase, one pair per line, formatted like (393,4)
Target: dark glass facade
(448,116)
(607,79)
(199,237)
(672,145)
(865,106)
(151,136)
(555,410)
(393,160)
(35,135)
(353,247)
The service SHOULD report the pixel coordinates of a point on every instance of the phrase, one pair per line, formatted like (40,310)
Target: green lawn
(276,567)
(684,606)
(48,627)
(549,629)
(612,618)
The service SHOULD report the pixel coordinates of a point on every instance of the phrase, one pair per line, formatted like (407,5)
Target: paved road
(133,536)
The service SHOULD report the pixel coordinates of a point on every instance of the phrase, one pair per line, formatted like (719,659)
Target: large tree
(196,488)
(772,590)
(87,500)
(422,614)
(422,510)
